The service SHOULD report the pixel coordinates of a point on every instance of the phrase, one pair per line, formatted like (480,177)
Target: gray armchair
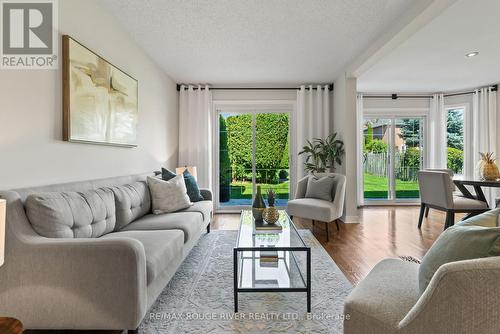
(436,191)
(317,209)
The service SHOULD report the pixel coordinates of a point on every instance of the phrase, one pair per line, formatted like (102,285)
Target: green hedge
(455,160)
(271,146)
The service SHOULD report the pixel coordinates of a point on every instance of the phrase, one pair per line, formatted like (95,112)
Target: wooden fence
(377,164)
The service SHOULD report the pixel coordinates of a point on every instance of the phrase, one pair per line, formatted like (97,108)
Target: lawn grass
(243,189)
(376,187)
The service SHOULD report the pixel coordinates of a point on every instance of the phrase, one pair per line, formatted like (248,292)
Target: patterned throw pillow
(168,196)
(193,190)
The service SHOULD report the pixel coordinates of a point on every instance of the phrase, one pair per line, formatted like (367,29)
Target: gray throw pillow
(460,242)
(320,188)
(168,196)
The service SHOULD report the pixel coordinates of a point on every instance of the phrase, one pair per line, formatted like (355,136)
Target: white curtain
(359,150)
(437,133)
(195,131)
(484,115)
(313,119)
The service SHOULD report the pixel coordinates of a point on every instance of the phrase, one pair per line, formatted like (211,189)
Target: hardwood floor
(382,232)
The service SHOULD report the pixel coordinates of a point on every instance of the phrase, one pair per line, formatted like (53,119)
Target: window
(392,154)
(455,139)
(252,150)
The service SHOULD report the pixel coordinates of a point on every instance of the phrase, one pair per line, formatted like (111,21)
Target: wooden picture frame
(100,101)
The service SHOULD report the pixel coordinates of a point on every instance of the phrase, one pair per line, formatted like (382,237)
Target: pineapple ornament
(271,214)
(488,170)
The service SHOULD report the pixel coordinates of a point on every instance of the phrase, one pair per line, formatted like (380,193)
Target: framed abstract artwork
(100,101)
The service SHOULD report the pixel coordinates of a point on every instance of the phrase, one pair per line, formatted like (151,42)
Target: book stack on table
(268,258)
(263,227)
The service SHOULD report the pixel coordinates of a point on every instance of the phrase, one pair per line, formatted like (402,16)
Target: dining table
(477,184)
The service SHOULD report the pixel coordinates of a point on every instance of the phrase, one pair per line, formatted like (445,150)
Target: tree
(455,128)
(376,146)
(369,135)
(224,163)
(455,160)
(410,132)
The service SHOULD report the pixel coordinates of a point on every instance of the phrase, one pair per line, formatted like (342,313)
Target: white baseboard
(350,219)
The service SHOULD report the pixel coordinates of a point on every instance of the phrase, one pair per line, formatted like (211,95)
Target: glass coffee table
(271,261)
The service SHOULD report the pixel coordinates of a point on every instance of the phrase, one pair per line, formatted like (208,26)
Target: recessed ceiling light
(472,54)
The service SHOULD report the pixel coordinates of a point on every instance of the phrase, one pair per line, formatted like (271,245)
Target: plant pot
(258,206)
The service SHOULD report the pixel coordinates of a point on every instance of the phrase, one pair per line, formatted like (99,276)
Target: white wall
(344,123)
(250,95)
(31,149)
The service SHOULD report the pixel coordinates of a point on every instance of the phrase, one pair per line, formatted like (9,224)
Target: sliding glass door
(253,150)
(392,154)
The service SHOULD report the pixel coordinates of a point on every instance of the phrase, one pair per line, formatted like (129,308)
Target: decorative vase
(258,206)
(271,215)
(488,169)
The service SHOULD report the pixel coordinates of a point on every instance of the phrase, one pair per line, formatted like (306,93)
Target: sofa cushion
(163,249)
(87,214)
(191,223)
(311,208)
(132,201)
(204,207)
(457,243)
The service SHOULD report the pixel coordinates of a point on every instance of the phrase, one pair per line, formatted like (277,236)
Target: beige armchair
(436,192)
(461,298)
(317,209)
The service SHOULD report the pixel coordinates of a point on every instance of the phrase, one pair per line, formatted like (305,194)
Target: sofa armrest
(462,297)
(63,283)
(206,194)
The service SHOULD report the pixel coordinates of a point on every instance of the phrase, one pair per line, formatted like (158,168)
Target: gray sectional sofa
(102,270)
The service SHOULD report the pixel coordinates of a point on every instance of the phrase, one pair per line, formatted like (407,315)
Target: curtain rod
(330,88)
(494,88)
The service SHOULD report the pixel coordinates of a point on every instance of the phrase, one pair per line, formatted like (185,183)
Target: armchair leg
(327,234)
(314,222)
(133,331)
(421,215)
(427,212)
(208,228)
(337,223)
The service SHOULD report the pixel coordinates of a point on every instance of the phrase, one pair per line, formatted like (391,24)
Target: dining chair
(436,192)
(451,173)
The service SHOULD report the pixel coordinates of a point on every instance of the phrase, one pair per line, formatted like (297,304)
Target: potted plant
(323,154)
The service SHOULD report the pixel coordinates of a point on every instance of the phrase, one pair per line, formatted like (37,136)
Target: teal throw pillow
(167,175)
(192,188)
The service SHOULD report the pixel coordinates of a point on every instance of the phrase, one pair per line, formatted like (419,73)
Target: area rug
(199,298)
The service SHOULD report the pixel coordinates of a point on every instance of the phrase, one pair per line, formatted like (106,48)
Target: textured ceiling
(255,41)
(433,59)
